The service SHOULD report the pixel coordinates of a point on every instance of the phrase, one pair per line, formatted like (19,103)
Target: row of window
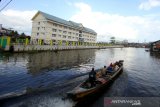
(65,32)
(60,31)
(43,28)
(57,25)
(64,36)
(65,27)
(60,26)
(70,33)
(39,23)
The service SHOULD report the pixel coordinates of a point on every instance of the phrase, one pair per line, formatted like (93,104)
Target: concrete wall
(27,48)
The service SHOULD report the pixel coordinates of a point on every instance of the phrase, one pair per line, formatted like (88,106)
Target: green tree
(23,34)
(13,33)
(16,33)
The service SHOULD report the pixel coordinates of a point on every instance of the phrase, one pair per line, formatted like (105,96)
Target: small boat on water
(85,89)
(147,50)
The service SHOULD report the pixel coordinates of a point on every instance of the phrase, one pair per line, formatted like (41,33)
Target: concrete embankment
(29,48)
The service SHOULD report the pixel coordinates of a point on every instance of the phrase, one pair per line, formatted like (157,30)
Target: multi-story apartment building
(50,30)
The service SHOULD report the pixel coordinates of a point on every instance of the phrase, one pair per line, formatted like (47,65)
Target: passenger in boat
(116,63)
(116,68)
(110,68)
(92,77)
(119,64)
(111,64)
(103,72)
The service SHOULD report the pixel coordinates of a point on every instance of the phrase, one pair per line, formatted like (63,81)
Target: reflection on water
(21,73)
(53,74)
(37,62)
(50,60)
(155,55)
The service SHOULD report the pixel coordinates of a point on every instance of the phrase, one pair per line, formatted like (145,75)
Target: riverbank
(32,48)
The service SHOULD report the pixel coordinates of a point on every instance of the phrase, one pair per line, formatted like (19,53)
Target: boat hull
(78,95)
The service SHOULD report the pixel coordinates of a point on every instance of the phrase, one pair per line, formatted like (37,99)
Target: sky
(132,20)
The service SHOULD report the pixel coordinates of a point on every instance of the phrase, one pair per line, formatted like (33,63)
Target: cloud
(149,4)
(69,3)
(133,28)
(18,20)
(122,27)
(83,7)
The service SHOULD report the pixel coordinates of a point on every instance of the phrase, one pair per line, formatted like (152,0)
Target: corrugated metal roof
(68,23)
(56,19)
(76,25)
(89,30)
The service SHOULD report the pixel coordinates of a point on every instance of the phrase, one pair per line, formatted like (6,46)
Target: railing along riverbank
(28,48)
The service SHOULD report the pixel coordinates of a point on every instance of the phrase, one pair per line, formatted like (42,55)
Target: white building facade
(48,29)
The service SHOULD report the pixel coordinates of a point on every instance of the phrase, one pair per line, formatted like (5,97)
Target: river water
(43,78)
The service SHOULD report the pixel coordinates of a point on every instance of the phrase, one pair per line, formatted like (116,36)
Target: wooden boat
(85,89)
(147,50)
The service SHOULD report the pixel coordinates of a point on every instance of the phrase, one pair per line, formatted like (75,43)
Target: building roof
(76,25)
(62,21)
(156,41)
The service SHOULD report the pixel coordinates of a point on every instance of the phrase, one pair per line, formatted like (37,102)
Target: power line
(5,5)
(2,3)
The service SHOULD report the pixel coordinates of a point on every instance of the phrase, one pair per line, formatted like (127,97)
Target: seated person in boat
(92,77)
(103,72)
(110,68)
(98,74)
(118,64)
(116,67)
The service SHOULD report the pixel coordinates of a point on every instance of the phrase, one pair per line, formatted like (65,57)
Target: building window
(59,36)
(64,36)
(60,26)
(64,32)
(38,23)
(43,33)
(69,33)
(43,28)
(60,31)
(53,35)
(54,24)
(65,27)
(69,37)
(77,34)
(38,28)
(37,34)
(54,30)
